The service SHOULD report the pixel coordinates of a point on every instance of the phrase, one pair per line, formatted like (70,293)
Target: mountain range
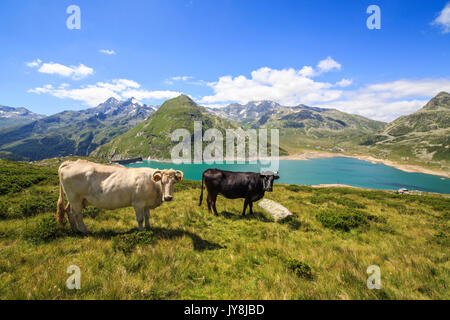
(303,127)
(73,132)
(246,112)
(10,116)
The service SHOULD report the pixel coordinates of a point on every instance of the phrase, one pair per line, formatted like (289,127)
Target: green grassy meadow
(322,252)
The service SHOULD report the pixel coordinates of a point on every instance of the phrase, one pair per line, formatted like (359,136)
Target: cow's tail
(201,193)
(60,210)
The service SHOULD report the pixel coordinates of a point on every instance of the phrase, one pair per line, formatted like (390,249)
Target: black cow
(233,185)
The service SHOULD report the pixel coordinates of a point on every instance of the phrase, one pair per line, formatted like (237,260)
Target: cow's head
(168,177)
(267,180)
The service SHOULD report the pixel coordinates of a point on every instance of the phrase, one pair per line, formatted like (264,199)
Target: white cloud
(344,83)
(171,80)
(323,66)
(64,85)
(307,71)
(181,78)
(118,85)
(389,100)
(410,88)
(328,65)
(34,64)
(45,89)
(214,106)
(76,72)
(286,86)
(92,95)
(145,94)
(443,19)
(106,51)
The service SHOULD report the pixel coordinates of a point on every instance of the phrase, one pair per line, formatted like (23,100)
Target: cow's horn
(276,172)
(181,174)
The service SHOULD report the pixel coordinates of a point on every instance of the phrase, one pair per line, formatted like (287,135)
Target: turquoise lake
(341,170)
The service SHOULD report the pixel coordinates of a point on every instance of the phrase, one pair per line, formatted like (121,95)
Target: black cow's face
(267,180)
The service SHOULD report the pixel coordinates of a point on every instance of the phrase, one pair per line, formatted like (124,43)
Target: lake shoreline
(371,159)
(323,155)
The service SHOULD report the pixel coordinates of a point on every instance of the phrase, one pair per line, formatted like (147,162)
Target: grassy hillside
(8,122)
(422,137)
(321,253)
(153,136)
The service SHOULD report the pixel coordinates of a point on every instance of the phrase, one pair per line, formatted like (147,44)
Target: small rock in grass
(276,210)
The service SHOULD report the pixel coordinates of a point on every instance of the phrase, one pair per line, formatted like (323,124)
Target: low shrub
(127,242)
(4,209)
(294,223)
(300,269)
(297,188)
(44,230)
(442,238)
(403,209)
(343,201)
(91,212)
(13,184)
(17,176)
(343,219)
(374,194)
(187,184)
(377,219)
(320,199)
(29,206)
(350,203)
(441,204)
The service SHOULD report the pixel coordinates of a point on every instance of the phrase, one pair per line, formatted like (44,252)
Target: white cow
(111,187)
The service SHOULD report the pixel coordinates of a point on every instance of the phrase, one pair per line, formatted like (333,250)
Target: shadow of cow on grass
(135,237)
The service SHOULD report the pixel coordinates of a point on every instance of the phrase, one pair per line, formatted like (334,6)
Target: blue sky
(319,53)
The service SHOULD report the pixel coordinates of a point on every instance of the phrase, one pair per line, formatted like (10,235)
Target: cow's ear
(276,177)
(157,176)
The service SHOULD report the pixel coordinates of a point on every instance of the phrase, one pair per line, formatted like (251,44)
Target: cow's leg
(147,217)
(73,223)
(209,201)
(139,217)
(251,206)
(76,212)
(214,199)
(245,206)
